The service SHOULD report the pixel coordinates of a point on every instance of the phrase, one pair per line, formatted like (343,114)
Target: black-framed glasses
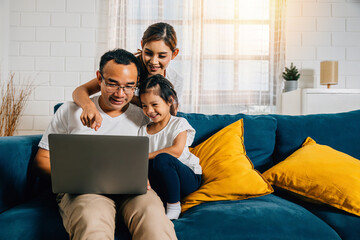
(111,88)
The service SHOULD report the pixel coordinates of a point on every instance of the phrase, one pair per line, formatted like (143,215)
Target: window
(227,56)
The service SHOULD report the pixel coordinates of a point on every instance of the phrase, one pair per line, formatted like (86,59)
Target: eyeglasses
(111,88)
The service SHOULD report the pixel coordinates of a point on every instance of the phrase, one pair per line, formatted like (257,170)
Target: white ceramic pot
(290,86)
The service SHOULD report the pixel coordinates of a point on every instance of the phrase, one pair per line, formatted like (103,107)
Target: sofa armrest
(17,181)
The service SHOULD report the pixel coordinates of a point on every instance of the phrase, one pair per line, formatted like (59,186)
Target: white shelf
(312,100)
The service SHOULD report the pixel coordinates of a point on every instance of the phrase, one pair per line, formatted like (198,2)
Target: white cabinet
(311,100)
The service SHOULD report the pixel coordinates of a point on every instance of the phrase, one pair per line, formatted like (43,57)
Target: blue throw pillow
(340,131)
(259,133)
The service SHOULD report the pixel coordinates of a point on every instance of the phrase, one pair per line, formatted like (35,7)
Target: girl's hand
(91,117)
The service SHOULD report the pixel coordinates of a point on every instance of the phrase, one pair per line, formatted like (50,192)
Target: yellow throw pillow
(320,173)
(228,174)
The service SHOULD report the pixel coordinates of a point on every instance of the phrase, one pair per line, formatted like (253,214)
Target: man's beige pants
(92,216)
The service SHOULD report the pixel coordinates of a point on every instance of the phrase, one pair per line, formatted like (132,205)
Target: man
(92,216)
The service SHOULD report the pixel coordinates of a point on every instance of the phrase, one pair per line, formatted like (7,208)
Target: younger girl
(174,172)
(158,49)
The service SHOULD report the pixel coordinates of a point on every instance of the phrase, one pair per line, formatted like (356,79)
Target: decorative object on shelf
(319,100)
(329,73)
(12,103)
(291,75)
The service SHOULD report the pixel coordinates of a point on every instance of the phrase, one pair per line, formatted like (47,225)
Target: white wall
(320,30)
(58,42)
(4,39)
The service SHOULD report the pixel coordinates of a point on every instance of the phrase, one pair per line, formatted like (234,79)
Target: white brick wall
(65,19)
(57,45)
(321,30)
(50,6)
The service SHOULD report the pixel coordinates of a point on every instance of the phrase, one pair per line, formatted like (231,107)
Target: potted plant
(291,75)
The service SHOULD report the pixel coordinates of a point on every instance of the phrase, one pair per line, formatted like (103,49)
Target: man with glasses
(92,216)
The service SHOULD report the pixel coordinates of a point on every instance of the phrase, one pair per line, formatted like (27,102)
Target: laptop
(101,164)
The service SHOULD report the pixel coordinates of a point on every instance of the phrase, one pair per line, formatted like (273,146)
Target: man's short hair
(120,56)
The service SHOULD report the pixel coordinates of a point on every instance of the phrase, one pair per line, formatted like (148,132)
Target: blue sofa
(28,209)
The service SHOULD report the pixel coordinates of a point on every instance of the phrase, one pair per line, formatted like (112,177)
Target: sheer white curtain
(231,51)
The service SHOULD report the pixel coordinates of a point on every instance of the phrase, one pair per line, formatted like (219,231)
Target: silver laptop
(102,164)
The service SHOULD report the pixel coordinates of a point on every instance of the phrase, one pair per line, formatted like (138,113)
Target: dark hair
(162,87)
(120,56)
(161,31)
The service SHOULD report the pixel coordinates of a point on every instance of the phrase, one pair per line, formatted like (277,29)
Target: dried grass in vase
(13,100)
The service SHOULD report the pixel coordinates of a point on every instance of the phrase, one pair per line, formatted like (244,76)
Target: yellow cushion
(228,174)
(320,173)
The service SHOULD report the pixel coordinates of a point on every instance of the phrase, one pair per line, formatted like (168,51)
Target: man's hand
(91,117)
(148,185)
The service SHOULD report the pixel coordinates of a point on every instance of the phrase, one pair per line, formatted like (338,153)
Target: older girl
(158,49)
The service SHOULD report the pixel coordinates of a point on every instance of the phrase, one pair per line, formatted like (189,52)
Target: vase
(290,86)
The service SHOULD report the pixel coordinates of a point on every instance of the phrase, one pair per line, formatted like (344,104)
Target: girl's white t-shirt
(166,137)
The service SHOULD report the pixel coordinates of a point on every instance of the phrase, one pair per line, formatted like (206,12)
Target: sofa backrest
(340,131)
(259,133)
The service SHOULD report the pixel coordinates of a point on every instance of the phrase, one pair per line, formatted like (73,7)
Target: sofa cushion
(320,173)
(340,131)
(345,224)
(36,219)
(228,174)
(266,217)
(259,133)
(39,219)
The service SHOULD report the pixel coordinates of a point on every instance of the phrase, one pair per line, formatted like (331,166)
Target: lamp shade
(328,73)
